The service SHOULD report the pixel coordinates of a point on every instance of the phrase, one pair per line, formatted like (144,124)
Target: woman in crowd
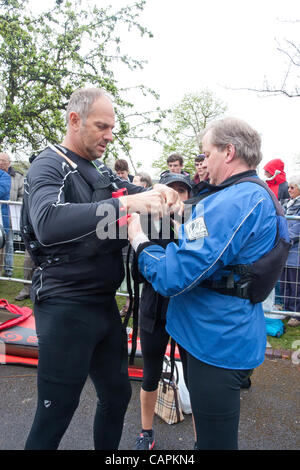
(143,179)
(290,282)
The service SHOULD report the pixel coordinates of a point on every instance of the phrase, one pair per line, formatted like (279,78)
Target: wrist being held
(136,235)
(138,240)
(148,202)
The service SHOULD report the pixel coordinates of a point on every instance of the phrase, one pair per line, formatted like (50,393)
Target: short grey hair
(295,180)
(82,100)
(246,140)
(145,178)
(5,156)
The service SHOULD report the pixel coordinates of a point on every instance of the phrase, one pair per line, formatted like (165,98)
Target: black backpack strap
(172,357)
(100,183)
(134,299)
(244,287)
(278,207)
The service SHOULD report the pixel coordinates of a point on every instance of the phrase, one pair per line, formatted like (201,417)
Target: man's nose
(108,135)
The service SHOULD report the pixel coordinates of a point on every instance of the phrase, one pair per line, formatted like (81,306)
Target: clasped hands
(159,201)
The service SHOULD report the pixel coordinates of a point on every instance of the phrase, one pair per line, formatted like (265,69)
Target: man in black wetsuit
(70,227)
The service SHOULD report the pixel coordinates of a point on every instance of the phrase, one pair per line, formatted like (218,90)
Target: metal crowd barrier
(13,253)
(283,301)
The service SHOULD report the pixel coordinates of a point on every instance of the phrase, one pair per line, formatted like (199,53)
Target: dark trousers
(290,288)
(153,347)
(215,401)
(77,339)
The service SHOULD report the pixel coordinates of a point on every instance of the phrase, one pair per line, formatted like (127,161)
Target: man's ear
(74,120)
(230,153)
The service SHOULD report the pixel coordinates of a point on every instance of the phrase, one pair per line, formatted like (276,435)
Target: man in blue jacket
(224,335)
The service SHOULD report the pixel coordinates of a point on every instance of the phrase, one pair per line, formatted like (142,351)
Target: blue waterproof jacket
(5,184)
(236,225)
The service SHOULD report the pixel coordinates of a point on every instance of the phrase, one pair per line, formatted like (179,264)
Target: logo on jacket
(47,403)
(196,229)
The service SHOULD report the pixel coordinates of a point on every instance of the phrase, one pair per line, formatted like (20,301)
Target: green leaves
(188,119)
(44,57)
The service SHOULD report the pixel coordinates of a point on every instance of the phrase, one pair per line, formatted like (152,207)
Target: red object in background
(19,343)
(120,192)
(19,346)
(20,314)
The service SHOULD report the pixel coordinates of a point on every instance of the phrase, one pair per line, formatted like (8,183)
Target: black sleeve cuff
(142,246)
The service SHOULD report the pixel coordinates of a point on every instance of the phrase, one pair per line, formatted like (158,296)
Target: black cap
(168,178)
(200,158)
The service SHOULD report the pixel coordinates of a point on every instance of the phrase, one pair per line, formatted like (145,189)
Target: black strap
(227,285)
(171,375)
(95,179)
(172,359)
(134,300)
(278,207)
(205,189)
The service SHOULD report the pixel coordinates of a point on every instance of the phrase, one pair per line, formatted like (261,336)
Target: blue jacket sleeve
(294,230)
(5,183)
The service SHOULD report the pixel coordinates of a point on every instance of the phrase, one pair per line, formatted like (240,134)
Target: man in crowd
(201,173)
(5,185)
(16,194)
(175,165)
(71,223)
(122,169)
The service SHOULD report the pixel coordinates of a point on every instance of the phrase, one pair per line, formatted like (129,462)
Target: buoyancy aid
(252,281)
(103,188)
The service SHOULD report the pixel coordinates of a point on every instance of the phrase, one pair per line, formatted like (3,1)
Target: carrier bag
(168,406)
(274,327)
(183,391)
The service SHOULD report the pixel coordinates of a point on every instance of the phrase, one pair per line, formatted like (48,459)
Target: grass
(9,289)
(291,334)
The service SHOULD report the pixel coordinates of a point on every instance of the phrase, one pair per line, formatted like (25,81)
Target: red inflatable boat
(19,343)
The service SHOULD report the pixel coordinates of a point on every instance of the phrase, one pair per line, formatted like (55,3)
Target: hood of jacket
(276,169)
